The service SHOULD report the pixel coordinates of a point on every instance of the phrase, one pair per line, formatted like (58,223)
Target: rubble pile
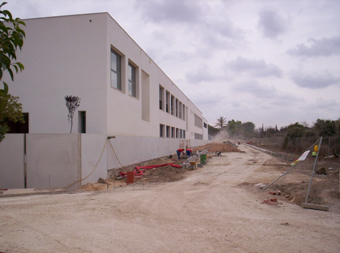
(218,147)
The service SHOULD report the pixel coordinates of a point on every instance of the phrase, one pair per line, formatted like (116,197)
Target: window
(177,133)
(161,94)
(183,134)
(167,98)
(82,122)
(18,127)
(205,125)
(161,130)
(176,113)
(172,132)
(172,104)
(180,133)
(167,131)
(198,121)
(198,136)
(180,110)
(183,112)
(131,80)
(116,70)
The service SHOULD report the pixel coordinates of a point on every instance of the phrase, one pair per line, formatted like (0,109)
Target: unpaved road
(205,212)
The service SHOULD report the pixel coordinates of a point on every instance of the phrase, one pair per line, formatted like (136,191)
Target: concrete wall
(70,55)
(63,56)
(94,151)
(58,160)
(124,112)
(12,162)
(53,160)
(130,150)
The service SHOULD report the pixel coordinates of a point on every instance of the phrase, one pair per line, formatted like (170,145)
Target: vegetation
(72,103)
(293,136)
(221,122)
(11,39)
(238,129)
(10,110)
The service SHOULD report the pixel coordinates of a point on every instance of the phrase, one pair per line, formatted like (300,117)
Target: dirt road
(205,212)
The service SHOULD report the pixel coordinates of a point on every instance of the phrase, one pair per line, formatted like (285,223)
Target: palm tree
(221,122)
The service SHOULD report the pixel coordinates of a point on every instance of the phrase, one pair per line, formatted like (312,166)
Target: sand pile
(218,147)
(164,174)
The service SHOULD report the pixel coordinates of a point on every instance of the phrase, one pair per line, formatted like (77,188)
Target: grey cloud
(271,24)
(255,88)
(202,74)
(314,81)
(321,47)
(225,28)
(169,11)
(256,67)
(268,95)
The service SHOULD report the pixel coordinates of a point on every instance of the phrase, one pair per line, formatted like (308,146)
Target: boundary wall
(52,161)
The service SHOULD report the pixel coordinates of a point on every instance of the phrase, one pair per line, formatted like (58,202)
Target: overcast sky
(272,62)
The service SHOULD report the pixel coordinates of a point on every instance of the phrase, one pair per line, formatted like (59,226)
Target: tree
(248,129)
(326,127)
(295,130)
(221,122)
(72,103)
(234,128)
(10,110)
(212,130)
(11,38)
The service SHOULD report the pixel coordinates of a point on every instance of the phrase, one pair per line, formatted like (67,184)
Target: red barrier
(139,170)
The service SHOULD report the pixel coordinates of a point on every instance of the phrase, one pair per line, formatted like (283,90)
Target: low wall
(131,149)
(53,160)
(12,162)
(59,160)
(94,150)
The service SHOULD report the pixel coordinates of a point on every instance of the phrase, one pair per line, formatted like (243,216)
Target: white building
(123,92)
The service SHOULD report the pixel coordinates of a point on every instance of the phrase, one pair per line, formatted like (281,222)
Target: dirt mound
(103,185)
(325,185)
(164,174)
(217,147)
(94,187)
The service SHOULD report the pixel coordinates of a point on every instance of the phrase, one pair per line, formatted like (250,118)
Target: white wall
(63,56)
(53,160)
(131,150)
(70,55)
(94,151)
(12,162)
(125,112)
(59,160)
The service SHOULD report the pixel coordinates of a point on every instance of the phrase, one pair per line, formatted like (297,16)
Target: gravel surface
(212,209)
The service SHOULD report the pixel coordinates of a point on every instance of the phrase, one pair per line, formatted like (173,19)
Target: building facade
(126,100)
(122,91)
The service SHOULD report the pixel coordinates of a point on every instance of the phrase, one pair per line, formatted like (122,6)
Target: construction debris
(139,170)
(260,185)
(271,202)
(275,193)
(218,147)
(321,171)
(315,206)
